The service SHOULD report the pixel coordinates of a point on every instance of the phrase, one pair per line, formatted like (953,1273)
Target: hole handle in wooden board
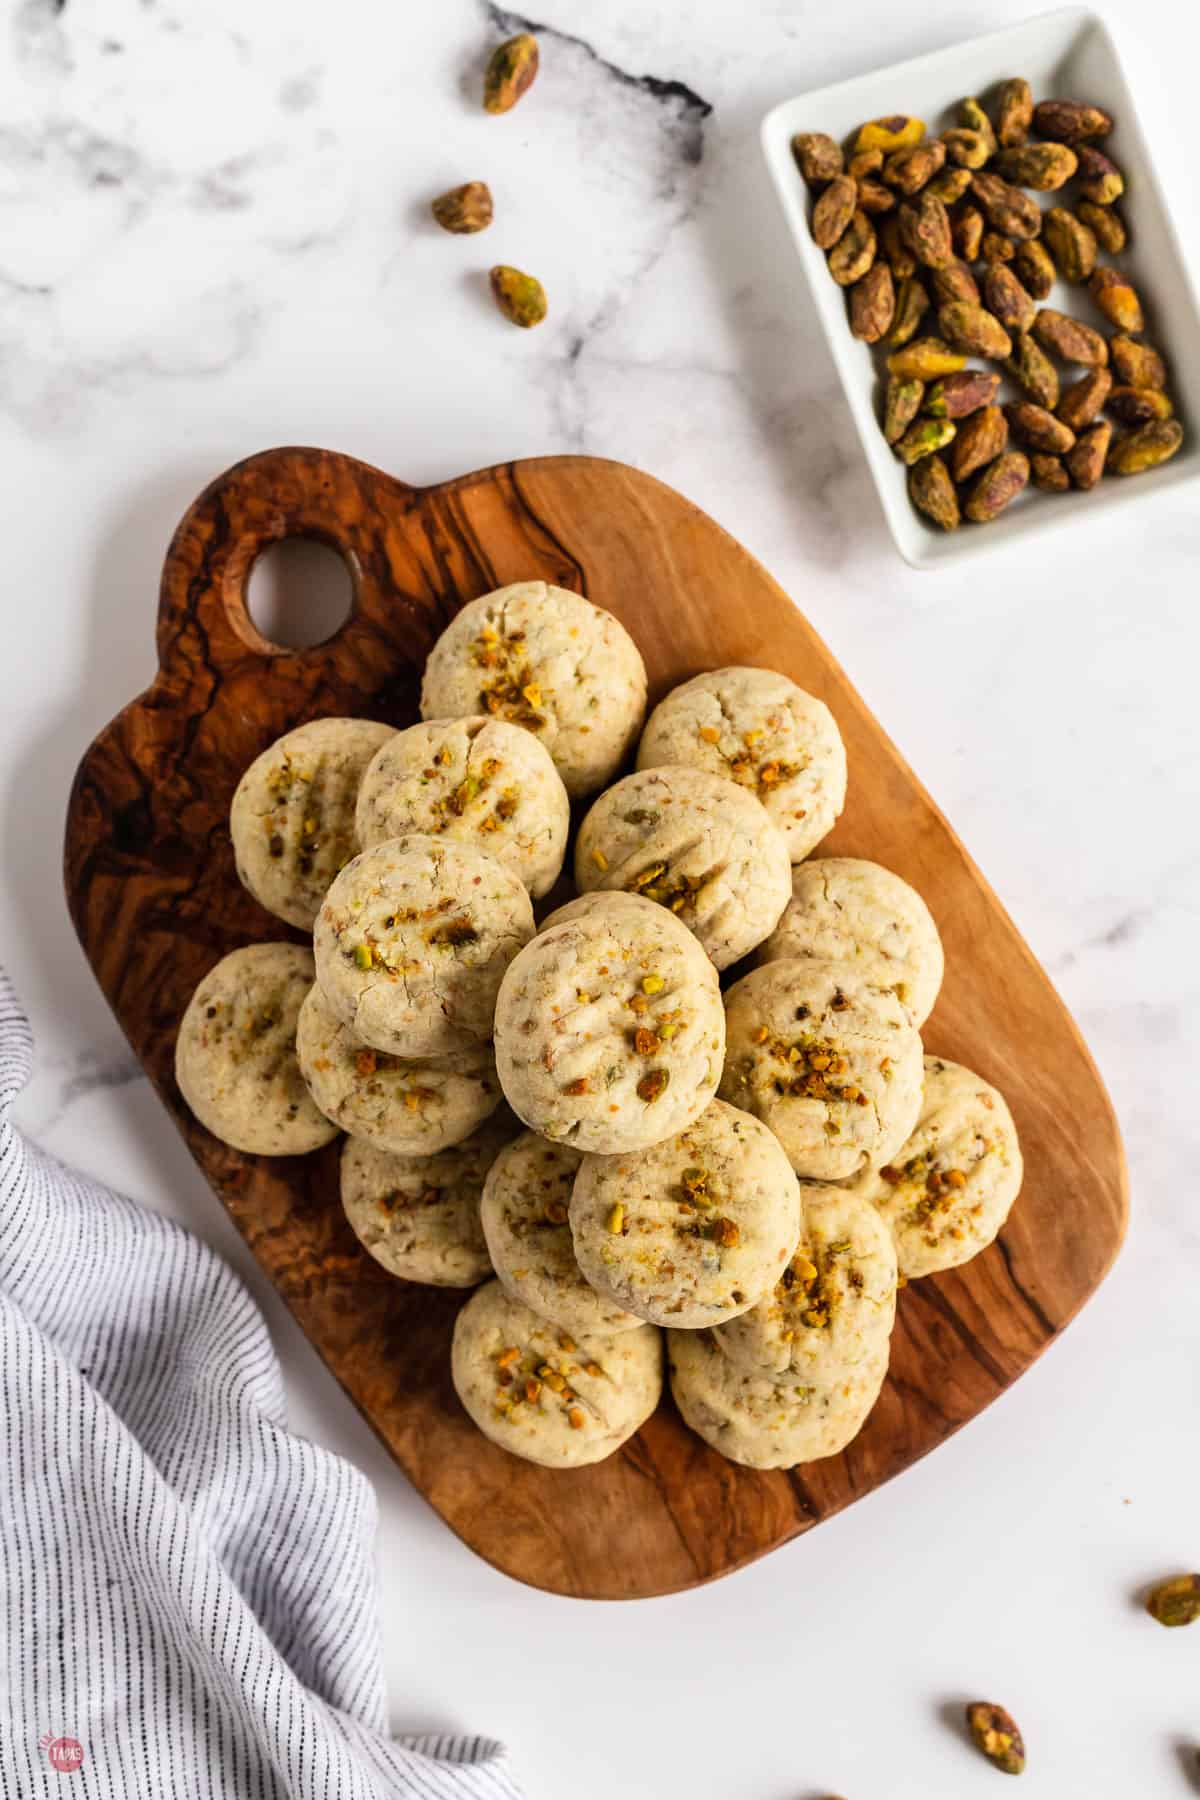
(204,625)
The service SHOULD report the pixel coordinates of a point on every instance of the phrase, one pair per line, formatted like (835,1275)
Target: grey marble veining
(63,1081)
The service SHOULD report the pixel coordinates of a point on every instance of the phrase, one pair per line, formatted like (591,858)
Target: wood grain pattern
(152,891)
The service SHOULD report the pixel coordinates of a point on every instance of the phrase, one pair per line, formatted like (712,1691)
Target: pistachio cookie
(525,1201)
(761,1423)
(696,844)
(548,1395)
(609,1026)
(410,1108)
(546,659)
(946,1192)
(292,818)
(694,1230)
(834,1306)
(757,728)
(582,907)
(478,780)
(830,1062)
(235,1055)
(849,911)
(419,1215)
(412,941)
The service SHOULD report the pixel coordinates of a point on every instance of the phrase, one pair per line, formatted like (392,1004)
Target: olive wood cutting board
(153,894)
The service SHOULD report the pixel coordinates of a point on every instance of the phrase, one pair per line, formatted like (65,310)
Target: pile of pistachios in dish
(943,231)
(511,71)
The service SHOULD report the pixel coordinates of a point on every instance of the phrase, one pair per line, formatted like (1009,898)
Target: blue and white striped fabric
(187,1590)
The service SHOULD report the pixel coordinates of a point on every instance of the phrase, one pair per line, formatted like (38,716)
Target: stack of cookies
(753,1173)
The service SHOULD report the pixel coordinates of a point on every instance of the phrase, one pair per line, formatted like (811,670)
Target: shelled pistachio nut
(817,157)
(1014,112)
(1086,461)
(1042,167)
(997,487)
(1146,447)
(932,492)
(981,439)
(511,71)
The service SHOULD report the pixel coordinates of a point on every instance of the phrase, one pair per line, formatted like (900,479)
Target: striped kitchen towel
(188,1600)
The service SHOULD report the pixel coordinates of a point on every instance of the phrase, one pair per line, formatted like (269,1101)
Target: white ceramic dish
(1064,55)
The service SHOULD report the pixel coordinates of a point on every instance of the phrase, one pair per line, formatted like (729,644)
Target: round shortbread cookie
(694,1230)
(849,911)
(419,1215)
(478,781)
(412,941)
(830,1062)
(696,844)
(581,907)
(758,1422)
(235,1055)
(292,817)
(833,1308)
(525,1201)
(547,1395)
(548,660)
(757,728)
(410,1108)
(609,1027)
(946,1192)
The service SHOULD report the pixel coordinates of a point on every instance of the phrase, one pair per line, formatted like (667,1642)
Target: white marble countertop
(212,239)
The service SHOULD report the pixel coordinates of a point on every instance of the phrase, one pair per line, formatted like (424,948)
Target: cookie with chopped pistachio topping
(609,1027)
(525,1221)
(758,729)
(478,780)
(412,940)
(827,1059)
(945,1193)
(694,1230)
(235,1055)
(845,910)
(833,1308)
(419,1215)
(410,1108)
(693,843)
(552,1396)
(292,818)
(546,659)
(762,1423)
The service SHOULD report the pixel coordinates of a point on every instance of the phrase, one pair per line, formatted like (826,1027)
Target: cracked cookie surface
(235,1054)
(609,1027)
(546,659)
(758,729)
(843,909)
(477,780)
(947,1190)
(412,941)
(761,1423)
(694,1230)
(826,1059)
(292,816)
(696,844)
(554,1397)
(526,1198)
(834,1306)
(419,1215)
(412,1108)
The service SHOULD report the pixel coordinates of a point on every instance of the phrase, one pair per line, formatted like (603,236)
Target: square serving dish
(1063,55)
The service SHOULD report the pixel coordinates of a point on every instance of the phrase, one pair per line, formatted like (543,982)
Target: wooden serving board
(154,897)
